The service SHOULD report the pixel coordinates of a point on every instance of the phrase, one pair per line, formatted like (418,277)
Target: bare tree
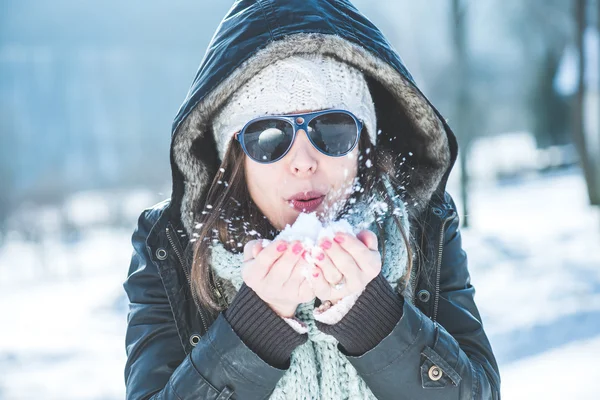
(463,98)
(590,163)
(545,29)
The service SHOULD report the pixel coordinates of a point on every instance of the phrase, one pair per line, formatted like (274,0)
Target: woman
(303,106)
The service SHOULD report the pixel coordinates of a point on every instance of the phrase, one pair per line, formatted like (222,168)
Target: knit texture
(301,82)
(372,318)
(317,368)
(261,329)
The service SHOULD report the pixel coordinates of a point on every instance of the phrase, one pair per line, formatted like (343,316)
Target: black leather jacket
(438,349)
(176,351)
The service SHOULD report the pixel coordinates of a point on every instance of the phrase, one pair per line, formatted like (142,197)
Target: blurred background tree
(586,136)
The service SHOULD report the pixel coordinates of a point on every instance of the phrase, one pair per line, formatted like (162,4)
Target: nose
(302,155)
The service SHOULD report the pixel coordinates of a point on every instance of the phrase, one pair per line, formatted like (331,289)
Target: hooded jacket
(175,350)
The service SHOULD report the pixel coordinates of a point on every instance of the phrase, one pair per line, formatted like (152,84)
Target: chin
(291,219)
(283,220)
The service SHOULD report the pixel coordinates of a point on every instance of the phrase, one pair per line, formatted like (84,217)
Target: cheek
(346,169)
(262,183)
(254,180)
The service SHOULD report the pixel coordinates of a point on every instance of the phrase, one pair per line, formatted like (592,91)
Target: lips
(306,201)
(307,205)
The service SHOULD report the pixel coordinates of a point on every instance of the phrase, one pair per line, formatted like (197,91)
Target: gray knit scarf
(318,370)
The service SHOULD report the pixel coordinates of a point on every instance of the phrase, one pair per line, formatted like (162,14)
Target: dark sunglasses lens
(266,140)
(334,133)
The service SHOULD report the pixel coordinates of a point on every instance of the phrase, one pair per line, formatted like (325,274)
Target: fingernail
(339,239)
(326,244)
(282,247)
(297,248)
(315,273)
(321,257)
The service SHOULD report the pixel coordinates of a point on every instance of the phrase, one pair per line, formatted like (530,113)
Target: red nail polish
(282,247)
(316,275)
(297,248)
(339,239)
(326,244)
(321,257)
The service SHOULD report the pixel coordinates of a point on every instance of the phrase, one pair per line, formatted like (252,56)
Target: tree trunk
(589,163)
(596,154)
(461,108)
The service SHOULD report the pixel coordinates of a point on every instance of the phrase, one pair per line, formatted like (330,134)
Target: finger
(322,288)
(369,238)
(299,282)
(281,269)
(343,261)
(306,292)
(269,255)
(367,260)
(249,251)
(299,273)
(258,248)
(322,260)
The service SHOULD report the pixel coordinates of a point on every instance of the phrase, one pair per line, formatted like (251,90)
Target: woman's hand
(355,258)
(275,274)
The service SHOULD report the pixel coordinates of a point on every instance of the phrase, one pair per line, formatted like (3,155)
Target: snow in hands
(309,230)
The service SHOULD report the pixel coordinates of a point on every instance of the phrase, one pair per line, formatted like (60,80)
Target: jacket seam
(401,354)
(174,310)
(221,361)
(210,385)
(275,28)
(154,223)
(262,9)
(441,362)
(174,391)
(476,361)
(475,385)
(349,28)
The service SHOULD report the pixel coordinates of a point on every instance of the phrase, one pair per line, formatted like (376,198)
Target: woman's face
(304,169)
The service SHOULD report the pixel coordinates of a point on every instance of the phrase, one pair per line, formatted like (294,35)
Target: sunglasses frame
(299,121)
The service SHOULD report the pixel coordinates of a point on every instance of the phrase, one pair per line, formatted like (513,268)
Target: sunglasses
(268,139)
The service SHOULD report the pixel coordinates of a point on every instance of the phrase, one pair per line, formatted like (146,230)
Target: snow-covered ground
(63,338)
(534,257)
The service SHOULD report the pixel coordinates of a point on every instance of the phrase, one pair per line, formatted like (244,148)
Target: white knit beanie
(300,82)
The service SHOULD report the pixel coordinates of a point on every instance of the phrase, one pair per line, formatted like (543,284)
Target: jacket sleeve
(219,367)
(447,359)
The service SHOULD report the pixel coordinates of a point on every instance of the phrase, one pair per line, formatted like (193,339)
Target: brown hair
(234,219)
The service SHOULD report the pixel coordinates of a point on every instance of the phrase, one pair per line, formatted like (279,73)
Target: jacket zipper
(218,290)
(187,274)
(185,270)
(439,266)
(178,253)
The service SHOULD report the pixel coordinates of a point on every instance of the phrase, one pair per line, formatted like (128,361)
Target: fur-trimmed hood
(254,34)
